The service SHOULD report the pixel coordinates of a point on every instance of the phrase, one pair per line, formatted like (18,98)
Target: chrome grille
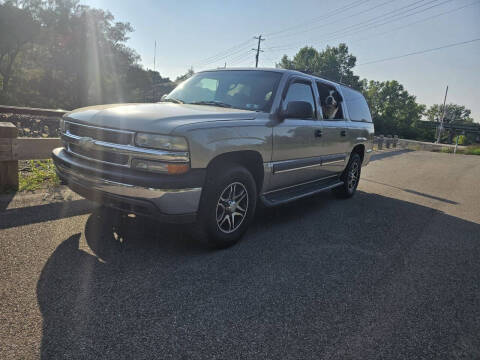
(111,146)
(104,156)
(102,134)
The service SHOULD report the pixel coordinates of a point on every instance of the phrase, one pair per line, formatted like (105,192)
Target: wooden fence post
(8,167)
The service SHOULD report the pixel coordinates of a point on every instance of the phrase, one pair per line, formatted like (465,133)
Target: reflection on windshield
(241,89)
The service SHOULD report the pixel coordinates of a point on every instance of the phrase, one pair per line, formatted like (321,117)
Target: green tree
(77,57)
(333,63)
(17,29)
(394,110)
(453,113)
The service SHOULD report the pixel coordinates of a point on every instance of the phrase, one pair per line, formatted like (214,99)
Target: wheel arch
(360,150)
(250,159)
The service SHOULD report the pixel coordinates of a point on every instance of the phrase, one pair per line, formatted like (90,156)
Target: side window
(299,91)
(330,101)
(357,105)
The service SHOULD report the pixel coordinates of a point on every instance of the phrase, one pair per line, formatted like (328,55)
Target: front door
(297,142)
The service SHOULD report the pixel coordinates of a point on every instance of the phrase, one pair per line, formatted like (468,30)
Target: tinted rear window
(356,104)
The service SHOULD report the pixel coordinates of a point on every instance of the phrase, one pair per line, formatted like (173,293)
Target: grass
(469,150)
(37,174)
(472,150)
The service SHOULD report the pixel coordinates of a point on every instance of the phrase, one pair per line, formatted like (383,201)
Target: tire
(227,206)
(350,178)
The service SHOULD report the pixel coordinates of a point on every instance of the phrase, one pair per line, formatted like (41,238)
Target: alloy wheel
(353,175)
(232,207)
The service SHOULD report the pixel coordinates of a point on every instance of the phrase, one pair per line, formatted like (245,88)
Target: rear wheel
(227,206)
(350,177)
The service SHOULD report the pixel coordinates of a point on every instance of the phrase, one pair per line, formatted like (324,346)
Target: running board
(283,196)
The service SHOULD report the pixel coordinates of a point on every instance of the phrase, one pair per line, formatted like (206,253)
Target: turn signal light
(177,168)
(160,167)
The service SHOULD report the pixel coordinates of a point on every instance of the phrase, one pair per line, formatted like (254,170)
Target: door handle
(318,133)
(343,133)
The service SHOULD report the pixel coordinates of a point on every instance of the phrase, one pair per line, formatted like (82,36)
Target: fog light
(159,167)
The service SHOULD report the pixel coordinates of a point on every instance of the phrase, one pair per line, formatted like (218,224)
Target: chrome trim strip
(296,164)
(162,155)
(361,139)
(333,162)
(297,168)
(328,159)
(304,183)
(289,165)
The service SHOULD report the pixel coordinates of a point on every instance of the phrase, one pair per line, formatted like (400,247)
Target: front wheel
(350,178)
(227,206)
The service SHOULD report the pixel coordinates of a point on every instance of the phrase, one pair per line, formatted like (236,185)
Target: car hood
(157,117)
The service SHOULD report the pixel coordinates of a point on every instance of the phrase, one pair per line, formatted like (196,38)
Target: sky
(206,34)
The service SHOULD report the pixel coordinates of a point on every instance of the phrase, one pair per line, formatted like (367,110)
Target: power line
(419,52)
(336,20)
(240,47)
(416,22)
(224,53)
(308,22)
(241,59)
(392,19)
(368,23)
(241,56)
(420,21)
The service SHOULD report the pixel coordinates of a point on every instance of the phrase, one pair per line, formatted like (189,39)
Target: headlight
(163,142)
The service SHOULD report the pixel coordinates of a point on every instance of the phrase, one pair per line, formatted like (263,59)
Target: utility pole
(154,55)
(440,127)
(154,63)
(259,38)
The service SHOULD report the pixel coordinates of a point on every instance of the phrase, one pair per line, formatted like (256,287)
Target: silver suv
(218,144)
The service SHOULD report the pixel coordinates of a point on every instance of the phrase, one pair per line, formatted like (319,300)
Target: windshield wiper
(173,100)
(212,103)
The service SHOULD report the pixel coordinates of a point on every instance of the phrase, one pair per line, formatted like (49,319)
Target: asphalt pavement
(393,273)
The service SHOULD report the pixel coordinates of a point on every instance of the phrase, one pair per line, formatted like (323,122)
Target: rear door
(296,142)
(360,127)
(335,137)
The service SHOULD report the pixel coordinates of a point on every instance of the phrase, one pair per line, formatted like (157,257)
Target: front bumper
(177,205)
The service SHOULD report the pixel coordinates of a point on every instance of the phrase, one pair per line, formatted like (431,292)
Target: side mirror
(298,110)
(163,97)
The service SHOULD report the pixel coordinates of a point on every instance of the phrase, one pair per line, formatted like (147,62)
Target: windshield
(241,89)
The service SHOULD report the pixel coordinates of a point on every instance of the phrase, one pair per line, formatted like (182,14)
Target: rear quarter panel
(361,133)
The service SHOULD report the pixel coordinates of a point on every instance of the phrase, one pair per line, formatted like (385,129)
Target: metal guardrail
(31,111)
(388,142)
